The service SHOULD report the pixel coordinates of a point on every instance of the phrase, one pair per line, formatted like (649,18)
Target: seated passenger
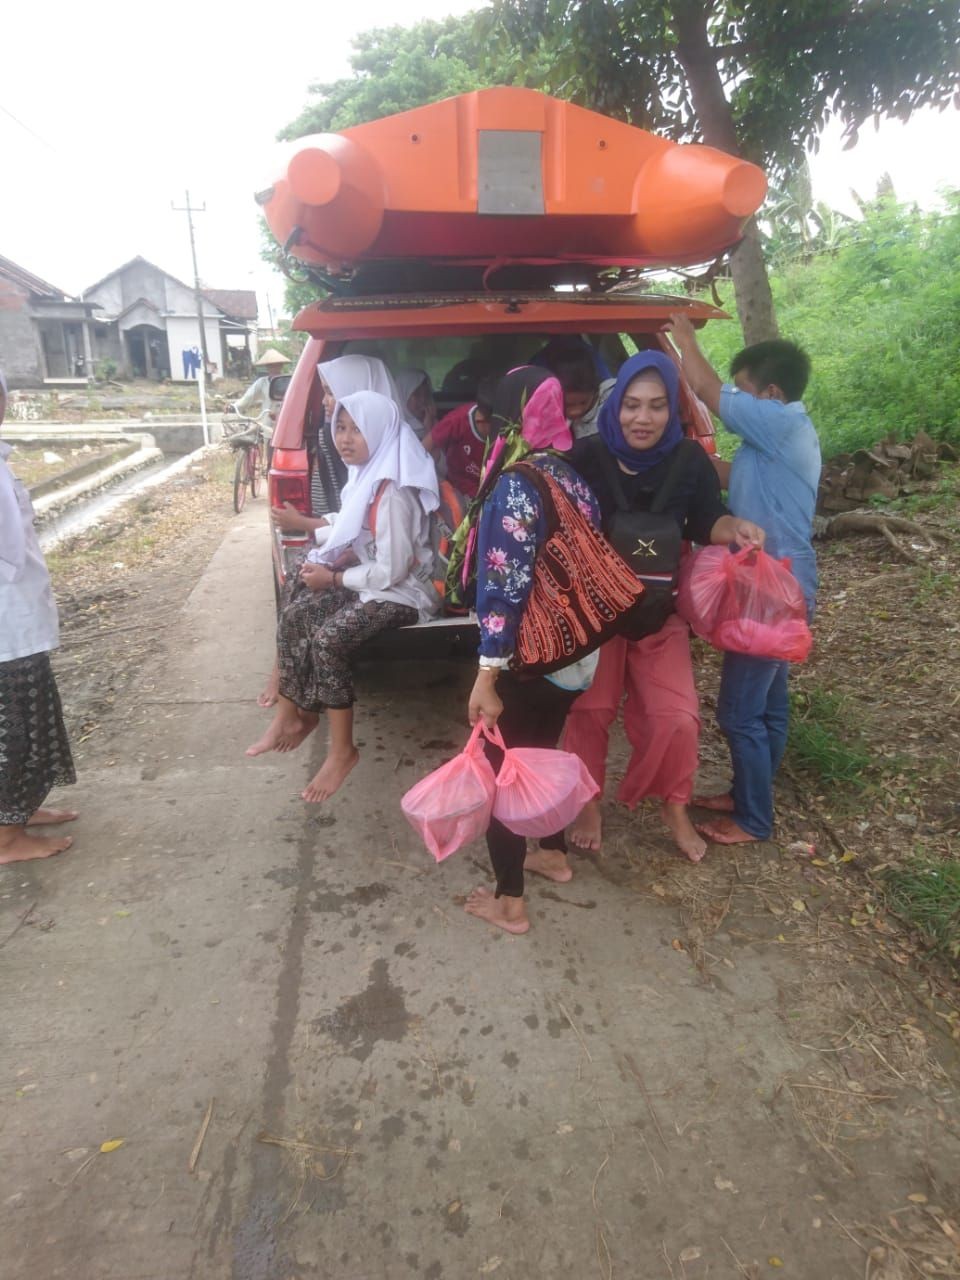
(461,439)
(384,527)
(339,378)
(415,398)
(583,391)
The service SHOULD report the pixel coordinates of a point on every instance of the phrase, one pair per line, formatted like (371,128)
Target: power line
(33,133)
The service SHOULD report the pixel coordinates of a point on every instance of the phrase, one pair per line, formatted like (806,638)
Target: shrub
(880,319)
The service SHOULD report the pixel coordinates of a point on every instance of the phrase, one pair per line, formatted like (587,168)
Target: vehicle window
(456,364)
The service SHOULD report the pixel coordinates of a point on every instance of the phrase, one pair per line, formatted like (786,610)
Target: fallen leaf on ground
(775,1261)
(107,1147)
(724,1184)
(917,1197)
(690,1254)
(490,1265)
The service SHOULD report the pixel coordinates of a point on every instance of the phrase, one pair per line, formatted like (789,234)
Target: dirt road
(397,1091)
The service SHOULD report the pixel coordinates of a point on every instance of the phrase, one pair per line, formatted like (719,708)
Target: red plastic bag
(452,805)
(539,791)
(747,602)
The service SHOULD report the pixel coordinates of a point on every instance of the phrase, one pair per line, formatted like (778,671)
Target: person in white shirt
(383,531)
(34,748)
(256,401)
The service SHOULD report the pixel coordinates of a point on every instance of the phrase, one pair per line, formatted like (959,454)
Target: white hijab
(407,381)
(347,374)
(395,454)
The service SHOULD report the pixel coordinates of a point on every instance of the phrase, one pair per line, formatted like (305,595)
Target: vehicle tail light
(293,488)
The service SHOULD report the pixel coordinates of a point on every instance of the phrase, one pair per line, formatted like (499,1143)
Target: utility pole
(190,210)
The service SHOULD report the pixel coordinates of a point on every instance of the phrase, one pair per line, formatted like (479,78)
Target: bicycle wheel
(254,467)
(240,480)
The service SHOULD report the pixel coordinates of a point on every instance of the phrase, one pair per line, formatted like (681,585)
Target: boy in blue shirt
(772,481)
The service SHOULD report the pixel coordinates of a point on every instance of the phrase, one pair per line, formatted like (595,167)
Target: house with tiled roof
(45,334)
(155,315)
(139,319)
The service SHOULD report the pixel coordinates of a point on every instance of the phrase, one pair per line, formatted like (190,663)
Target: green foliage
(784,69)
(399,68)
(880,319)
(106,370)
(821,741)
(795,226)
(926,893)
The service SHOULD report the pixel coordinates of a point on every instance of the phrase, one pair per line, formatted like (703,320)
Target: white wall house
(159,331)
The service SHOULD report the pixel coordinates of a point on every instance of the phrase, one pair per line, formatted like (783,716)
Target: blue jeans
(753,712)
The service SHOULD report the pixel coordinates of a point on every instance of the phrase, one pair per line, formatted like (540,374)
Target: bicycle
(251,451)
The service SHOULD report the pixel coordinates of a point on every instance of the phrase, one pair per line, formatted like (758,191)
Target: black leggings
(534,712)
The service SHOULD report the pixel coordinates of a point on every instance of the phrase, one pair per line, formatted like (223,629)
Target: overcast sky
(120,108)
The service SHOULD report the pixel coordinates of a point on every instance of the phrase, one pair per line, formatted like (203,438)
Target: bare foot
(285,732)
(726,831)
(509,914)
(684,833)
(588,828)
(331,777)
(550,863)
(267,697)
(722,803)
(19,847)
(50,817)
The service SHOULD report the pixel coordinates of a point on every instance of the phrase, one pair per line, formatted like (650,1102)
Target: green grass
(880,319)
(822,743)
(926,893)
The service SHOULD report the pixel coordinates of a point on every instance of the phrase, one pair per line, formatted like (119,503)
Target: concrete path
(398,1091)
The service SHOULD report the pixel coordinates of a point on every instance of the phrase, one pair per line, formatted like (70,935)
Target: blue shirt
(512,528)
(775,476)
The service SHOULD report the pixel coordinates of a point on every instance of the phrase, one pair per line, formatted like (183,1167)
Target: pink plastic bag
(452,805)
(747,602)
(539,791)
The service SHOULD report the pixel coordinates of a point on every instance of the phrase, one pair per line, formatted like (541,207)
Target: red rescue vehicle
(468,233)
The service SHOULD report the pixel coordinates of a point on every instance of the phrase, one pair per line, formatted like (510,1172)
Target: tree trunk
(696,56)
(751,286)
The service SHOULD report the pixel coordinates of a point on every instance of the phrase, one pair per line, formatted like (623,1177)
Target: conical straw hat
(272,356)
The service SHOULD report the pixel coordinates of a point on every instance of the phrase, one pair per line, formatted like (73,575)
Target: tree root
(885,524)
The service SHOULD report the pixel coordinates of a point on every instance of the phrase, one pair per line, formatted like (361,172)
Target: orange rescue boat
(507,175)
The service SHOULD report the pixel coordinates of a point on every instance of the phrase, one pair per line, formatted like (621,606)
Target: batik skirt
(318,634)
(34,748)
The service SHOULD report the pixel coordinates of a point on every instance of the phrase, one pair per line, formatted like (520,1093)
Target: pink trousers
(661,715)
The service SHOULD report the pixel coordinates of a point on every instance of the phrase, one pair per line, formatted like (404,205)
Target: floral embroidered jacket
(512,527)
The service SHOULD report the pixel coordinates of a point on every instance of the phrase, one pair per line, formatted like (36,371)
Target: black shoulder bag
(650,542)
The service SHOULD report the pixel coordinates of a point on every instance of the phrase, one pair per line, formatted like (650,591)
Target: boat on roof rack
(503,180)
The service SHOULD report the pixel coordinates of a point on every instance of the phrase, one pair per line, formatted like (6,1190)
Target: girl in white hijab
(339,378)
(382,532)
(415,398)
(347,374)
